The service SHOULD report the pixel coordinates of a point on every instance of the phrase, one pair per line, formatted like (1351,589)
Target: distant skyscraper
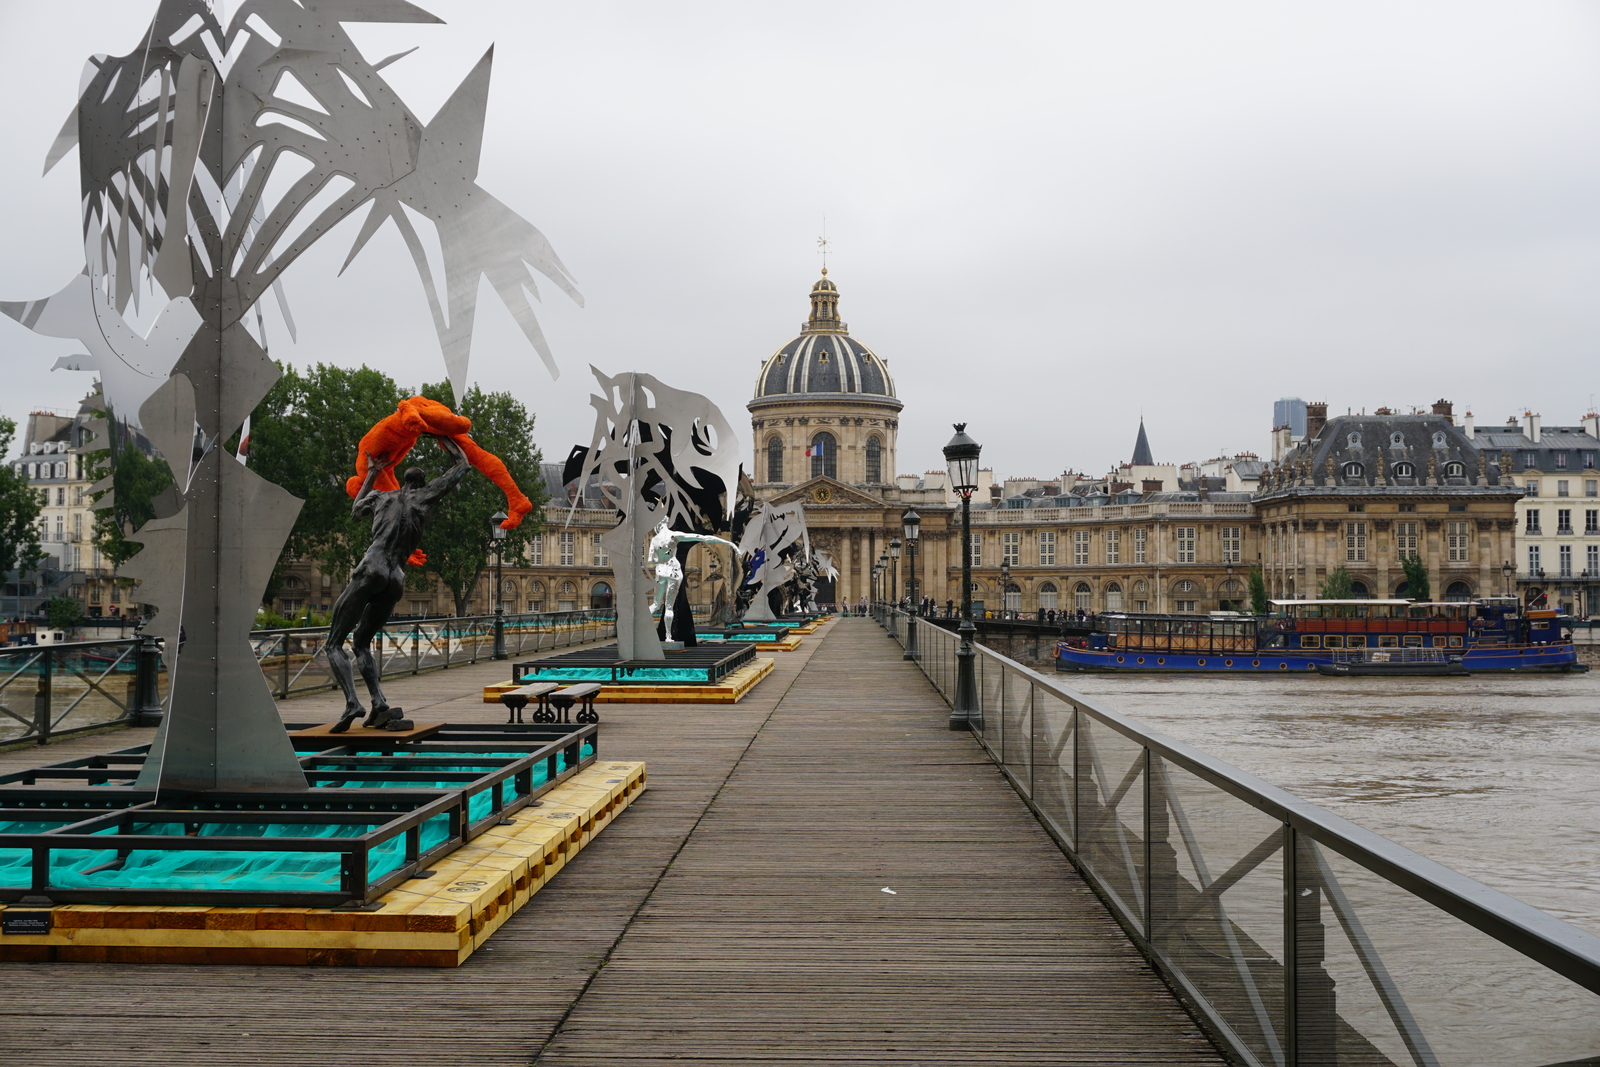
(1290,412)
(1141,448)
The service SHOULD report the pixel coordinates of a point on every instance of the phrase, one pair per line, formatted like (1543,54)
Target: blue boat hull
(1517,658)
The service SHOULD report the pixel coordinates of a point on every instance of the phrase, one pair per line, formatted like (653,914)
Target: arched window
(1013,597)
(567,601)
(1186,586)
(1405,470)
(600,596)
(1454,470)
(1458,591)
(824,456)
(775,459)
(1353,470)
(874,460)
(1113,596)
(1397,440)
(1355,440)
(1359,590)
(508,589)
(1047,596)
(567,589)
(1082,596)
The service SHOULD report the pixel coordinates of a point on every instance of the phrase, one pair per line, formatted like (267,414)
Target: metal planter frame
(103,814)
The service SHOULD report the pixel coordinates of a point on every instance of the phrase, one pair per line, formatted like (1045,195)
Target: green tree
(1418,587)
(458,541)
(1258,591)
(19,512)
(304,436)
(62,613)
(1338,585)
(136,480)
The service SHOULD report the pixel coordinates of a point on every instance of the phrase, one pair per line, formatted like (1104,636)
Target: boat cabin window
(1333,641)
(1455,641)
(1355,641)
(1310,641)
(1413,640)
(1388,640)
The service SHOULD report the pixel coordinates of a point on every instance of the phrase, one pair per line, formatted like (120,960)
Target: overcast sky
(1047,218)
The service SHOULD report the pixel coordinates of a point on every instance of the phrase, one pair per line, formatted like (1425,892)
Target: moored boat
(1495,634)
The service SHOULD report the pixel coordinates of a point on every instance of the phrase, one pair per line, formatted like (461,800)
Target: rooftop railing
(1109,512)
(1295,936)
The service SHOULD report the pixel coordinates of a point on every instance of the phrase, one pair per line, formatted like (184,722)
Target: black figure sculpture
(379,580)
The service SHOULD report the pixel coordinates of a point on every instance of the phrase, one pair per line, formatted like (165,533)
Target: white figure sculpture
(661,563)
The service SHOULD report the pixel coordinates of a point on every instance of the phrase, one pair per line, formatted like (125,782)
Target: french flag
(814,450)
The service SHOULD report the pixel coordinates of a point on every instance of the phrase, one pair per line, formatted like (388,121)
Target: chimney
(1591,424)
(1530,426)
(1468,428)
(1316,419)
(1153,485)
(1442,407)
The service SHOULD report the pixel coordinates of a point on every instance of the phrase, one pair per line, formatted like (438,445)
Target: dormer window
(1353,470)
(1455,470)
(1405,470)
(1438,439)
(1397,440)
(823,357)
(1355,440)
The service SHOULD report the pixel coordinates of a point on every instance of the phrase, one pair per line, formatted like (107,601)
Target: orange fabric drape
(395,435)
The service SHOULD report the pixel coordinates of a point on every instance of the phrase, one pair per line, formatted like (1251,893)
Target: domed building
(824,407)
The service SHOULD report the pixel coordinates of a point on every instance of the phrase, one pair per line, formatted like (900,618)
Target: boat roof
(1367,601)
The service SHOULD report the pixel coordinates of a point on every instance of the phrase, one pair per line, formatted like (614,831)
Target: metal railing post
(911,638)
(147,709)
(41,697)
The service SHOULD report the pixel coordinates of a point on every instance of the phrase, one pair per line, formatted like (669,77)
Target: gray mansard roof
(1388,451)
(1560,450)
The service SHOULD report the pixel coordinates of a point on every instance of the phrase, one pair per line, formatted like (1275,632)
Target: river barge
(1493,634)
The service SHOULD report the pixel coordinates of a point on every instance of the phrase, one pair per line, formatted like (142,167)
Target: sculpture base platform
(730,690)
(701,665)
(433,921)
(766,638)
(323,736)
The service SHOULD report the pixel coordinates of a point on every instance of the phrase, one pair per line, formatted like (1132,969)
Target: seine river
(1497,777)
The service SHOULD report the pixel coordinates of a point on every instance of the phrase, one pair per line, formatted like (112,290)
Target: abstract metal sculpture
(379,580)
(211,157)
(661,455)
(661,563)
(771,543)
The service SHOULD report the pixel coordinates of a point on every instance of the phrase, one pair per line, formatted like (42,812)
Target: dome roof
(824,358)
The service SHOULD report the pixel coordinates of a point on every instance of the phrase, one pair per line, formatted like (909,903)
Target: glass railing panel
(1017,737)
(1216,904)
(1111,815)
(1051,762)
(1388,974)
(991,698)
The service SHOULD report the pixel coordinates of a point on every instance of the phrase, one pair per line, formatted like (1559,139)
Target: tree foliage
(458,542)
(19,512)
(62,613)
(1258,591)
(1418,587)
(136,480)
(304,436)
(1338,585)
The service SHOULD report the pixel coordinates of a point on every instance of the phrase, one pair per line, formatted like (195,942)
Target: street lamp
(877,575)
(499,534)
(961,456)
(883,582)
(1508,569)
(894,582)
(1005,589)
(911,523)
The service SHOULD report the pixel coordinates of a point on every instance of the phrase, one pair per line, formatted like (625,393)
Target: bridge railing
(294,660)
(56,690)
(1296,936)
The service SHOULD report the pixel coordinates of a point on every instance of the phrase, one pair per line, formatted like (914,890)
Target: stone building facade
(1363,492)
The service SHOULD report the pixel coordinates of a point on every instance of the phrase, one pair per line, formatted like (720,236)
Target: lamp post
(877,574)
(1005,589)
(883,584)
(911,523)
(894,582)
(499,534)
(961,456)
(1508,569)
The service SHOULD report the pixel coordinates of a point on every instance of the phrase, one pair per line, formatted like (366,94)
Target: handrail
(1134,865)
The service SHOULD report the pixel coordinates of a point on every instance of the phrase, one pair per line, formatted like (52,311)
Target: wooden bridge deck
(734,915)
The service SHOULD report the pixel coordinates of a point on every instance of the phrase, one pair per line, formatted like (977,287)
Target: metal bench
(517,699)
(562,701)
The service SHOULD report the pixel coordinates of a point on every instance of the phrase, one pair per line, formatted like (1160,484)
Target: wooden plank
(356,731)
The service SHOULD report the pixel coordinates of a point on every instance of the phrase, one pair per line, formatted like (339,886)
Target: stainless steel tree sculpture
(212,156)
(660,454)
(773,541)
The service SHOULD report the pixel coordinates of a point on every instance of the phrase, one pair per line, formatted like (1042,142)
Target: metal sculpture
(661,455)
(211,157)
(661,562)
(771,543)
(379,580)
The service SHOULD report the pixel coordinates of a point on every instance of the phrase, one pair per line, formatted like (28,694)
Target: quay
(736,914)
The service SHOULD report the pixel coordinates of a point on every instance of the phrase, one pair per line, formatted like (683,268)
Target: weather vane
(823,244)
